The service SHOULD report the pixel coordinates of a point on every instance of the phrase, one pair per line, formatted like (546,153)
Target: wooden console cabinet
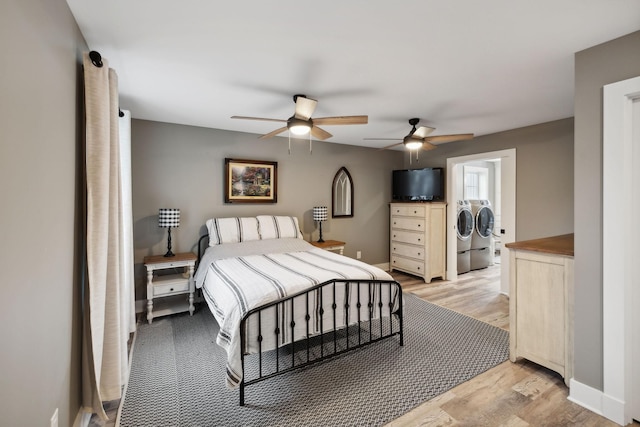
(418,239)
(541,302)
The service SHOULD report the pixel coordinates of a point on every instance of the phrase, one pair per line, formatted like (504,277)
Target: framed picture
(250,181)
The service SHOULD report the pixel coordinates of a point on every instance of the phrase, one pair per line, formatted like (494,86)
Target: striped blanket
(238,277)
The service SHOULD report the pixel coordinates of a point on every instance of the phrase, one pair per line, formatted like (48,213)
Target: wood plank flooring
(511,394)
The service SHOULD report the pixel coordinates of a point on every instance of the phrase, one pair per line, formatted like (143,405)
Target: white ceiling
(463,66)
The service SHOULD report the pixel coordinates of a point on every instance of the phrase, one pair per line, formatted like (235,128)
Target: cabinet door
(540,312)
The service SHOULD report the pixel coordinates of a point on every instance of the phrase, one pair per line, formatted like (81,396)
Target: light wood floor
(511,394)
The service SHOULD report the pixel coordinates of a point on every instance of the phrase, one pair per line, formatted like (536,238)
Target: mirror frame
(342,178)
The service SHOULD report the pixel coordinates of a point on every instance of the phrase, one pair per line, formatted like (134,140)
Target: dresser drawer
(407,237)
(170,284)
(415,224)
(407,265)
(407,250)
(408,211)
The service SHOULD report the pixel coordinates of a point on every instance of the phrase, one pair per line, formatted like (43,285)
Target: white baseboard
(597,401)
(384,266)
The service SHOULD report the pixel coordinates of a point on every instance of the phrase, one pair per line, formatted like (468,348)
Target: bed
(283,304)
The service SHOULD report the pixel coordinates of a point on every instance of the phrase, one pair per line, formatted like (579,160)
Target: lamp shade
(320,213)
(168,218)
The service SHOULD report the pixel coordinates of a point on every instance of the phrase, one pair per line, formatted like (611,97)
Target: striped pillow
(278,227)
(232,230)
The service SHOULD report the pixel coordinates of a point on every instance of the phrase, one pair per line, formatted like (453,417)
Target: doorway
(503,201)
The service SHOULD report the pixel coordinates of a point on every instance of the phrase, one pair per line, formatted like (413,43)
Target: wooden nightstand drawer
(408,211)
(170,284)
(407,237)
(416,224)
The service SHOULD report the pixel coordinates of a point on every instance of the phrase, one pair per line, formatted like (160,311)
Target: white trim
(618,249)
(585,396)
(384,266)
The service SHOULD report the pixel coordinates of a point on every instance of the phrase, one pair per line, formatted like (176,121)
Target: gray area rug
(177,374)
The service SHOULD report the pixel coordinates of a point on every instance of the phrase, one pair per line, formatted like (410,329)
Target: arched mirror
(342,194)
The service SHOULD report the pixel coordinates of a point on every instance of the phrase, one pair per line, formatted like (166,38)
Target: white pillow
(278,227)
(232,230)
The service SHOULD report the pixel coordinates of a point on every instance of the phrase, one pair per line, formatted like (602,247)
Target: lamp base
(169,253)
(320,240)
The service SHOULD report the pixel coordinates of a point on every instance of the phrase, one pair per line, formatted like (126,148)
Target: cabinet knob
(418,268)
(415,212)
(171,290)
(419,240)
(419,225)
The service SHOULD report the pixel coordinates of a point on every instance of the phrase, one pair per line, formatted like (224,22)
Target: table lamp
(168,218)
(320,214)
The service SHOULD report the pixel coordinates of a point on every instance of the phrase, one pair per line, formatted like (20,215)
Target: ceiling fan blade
(342,120)
(305,107)
(259,118)
(274,133)
(320,134)
(423,131)
(390,146)
(426,146)
(449,138)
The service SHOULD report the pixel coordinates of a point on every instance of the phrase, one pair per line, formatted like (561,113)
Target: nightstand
(330,245)
(165,287)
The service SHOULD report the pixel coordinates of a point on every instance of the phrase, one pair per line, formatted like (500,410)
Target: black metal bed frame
(378,324)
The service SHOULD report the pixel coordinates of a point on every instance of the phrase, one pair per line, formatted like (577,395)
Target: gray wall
(595,67)
(544,173)
(183,167)
(40,118)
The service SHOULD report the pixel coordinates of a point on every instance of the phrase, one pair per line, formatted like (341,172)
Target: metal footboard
(317,324)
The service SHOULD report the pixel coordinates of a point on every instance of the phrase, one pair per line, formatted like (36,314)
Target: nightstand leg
(149,310)
(191,289)
(149,295)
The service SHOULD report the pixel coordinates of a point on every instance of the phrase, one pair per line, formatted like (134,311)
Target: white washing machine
(482,238)
(465,227)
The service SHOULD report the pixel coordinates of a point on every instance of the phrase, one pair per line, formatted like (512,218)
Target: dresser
(418,239)
(541,302)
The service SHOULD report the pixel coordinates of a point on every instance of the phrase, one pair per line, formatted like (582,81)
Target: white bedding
(238,277)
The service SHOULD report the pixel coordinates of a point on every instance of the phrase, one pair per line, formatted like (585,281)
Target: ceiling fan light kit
(298,126)
(412,143)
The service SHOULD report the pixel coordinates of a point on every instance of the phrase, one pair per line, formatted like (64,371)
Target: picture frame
(250,181)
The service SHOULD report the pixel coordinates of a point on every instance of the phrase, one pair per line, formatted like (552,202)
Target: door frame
(620,250)
(507,209)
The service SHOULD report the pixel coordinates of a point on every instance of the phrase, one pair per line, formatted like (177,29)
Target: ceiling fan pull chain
(310,149)
(289,143)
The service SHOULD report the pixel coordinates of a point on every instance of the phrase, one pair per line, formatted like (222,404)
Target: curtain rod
(96,58)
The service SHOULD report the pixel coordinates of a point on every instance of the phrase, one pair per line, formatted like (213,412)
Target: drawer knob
(415,212)
(419,239)
(418,268)
(171,290)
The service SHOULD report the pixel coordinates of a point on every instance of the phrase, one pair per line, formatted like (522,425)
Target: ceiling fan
(419,139)
(301,122)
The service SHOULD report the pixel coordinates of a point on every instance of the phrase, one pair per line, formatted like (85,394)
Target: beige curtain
(107,299)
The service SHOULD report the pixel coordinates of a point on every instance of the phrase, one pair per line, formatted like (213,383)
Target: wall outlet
(358,254)
(54,418)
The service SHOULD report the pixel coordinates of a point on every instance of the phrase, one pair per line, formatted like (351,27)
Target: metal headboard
(200,242)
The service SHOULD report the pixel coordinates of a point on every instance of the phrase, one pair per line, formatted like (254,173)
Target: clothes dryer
(482,237)
(465,227)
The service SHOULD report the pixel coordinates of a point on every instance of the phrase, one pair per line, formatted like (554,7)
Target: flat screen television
(415,185)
